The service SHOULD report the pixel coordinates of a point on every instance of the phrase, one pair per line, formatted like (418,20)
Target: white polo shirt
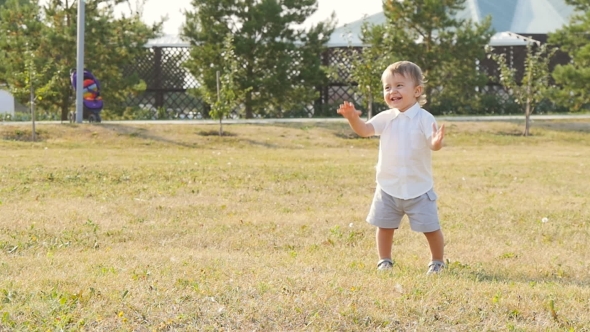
(404,169)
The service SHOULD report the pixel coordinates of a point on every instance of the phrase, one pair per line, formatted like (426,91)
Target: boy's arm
(436,140)
(359,126)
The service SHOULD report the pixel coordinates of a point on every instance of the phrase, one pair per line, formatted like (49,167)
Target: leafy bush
(494,104)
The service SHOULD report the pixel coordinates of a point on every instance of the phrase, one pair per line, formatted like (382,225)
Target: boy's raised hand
(348,111)
(437,137)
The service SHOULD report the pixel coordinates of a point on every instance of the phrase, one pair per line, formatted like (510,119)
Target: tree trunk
(370,108)
(64,109)
(33,110)
(218,98)
(248,102)
(249,114)
(527,117)
(527,111)
(67,14)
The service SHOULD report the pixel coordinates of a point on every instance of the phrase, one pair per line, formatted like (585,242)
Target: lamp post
(31,66)
(29,58)
(80,62)
(32,93)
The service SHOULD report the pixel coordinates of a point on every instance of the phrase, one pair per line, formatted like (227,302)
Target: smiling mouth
(394,99)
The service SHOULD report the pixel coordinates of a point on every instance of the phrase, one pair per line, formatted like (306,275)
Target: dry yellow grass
(169,228)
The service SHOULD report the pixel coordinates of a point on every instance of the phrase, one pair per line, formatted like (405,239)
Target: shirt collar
(410,112)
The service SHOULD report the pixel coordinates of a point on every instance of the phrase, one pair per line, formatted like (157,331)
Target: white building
(510,18)
(6,103)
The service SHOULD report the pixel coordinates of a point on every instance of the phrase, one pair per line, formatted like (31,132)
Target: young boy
(408,134)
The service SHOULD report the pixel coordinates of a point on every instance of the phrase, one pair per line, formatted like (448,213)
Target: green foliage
(230,94)
(22,2)
(110,45)
(33,80)
(281,63)
(574,77)
(494,104)
(534,86)
(428,33)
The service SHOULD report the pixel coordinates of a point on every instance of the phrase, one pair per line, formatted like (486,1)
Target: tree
(34,85)
(33,80)
(535,81)
(281,62)
(22,2)
(110,44)
(228,95)
(574,39)
(428,33)
(18,45)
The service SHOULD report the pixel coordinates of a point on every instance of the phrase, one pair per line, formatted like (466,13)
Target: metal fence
(168,81)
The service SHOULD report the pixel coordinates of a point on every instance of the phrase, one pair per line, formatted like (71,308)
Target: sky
(346,11)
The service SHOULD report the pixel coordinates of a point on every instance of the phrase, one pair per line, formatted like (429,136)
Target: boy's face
(400,92)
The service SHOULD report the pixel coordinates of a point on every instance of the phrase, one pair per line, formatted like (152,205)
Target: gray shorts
(387,211)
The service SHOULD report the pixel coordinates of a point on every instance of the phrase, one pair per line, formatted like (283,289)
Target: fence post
(325,98)
(158,77)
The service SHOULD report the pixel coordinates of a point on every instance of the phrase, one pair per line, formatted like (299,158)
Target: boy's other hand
(348,111)
(437,137)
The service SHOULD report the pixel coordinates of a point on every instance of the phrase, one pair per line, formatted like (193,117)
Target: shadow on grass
(583,127)
(486,276)
(143,134)
(263,144)
(307,125)
(565,127)
(513,133)
(340,130)
(348,135)
(571,127)
(216,133)
(20,135)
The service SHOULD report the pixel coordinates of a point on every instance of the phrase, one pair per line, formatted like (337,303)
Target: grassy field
(172,228)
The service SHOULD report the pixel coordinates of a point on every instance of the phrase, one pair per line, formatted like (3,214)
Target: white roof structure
(507,38)
(510,18)
(345,38)
(519,16)
(168,41)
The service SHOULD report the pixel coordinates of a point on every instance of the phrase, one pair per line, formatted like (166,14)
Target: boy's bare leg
(436,242)
(384,242)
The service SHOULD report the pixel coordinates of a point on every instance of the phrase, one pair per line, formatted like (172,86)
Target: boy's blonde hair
(408,70)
